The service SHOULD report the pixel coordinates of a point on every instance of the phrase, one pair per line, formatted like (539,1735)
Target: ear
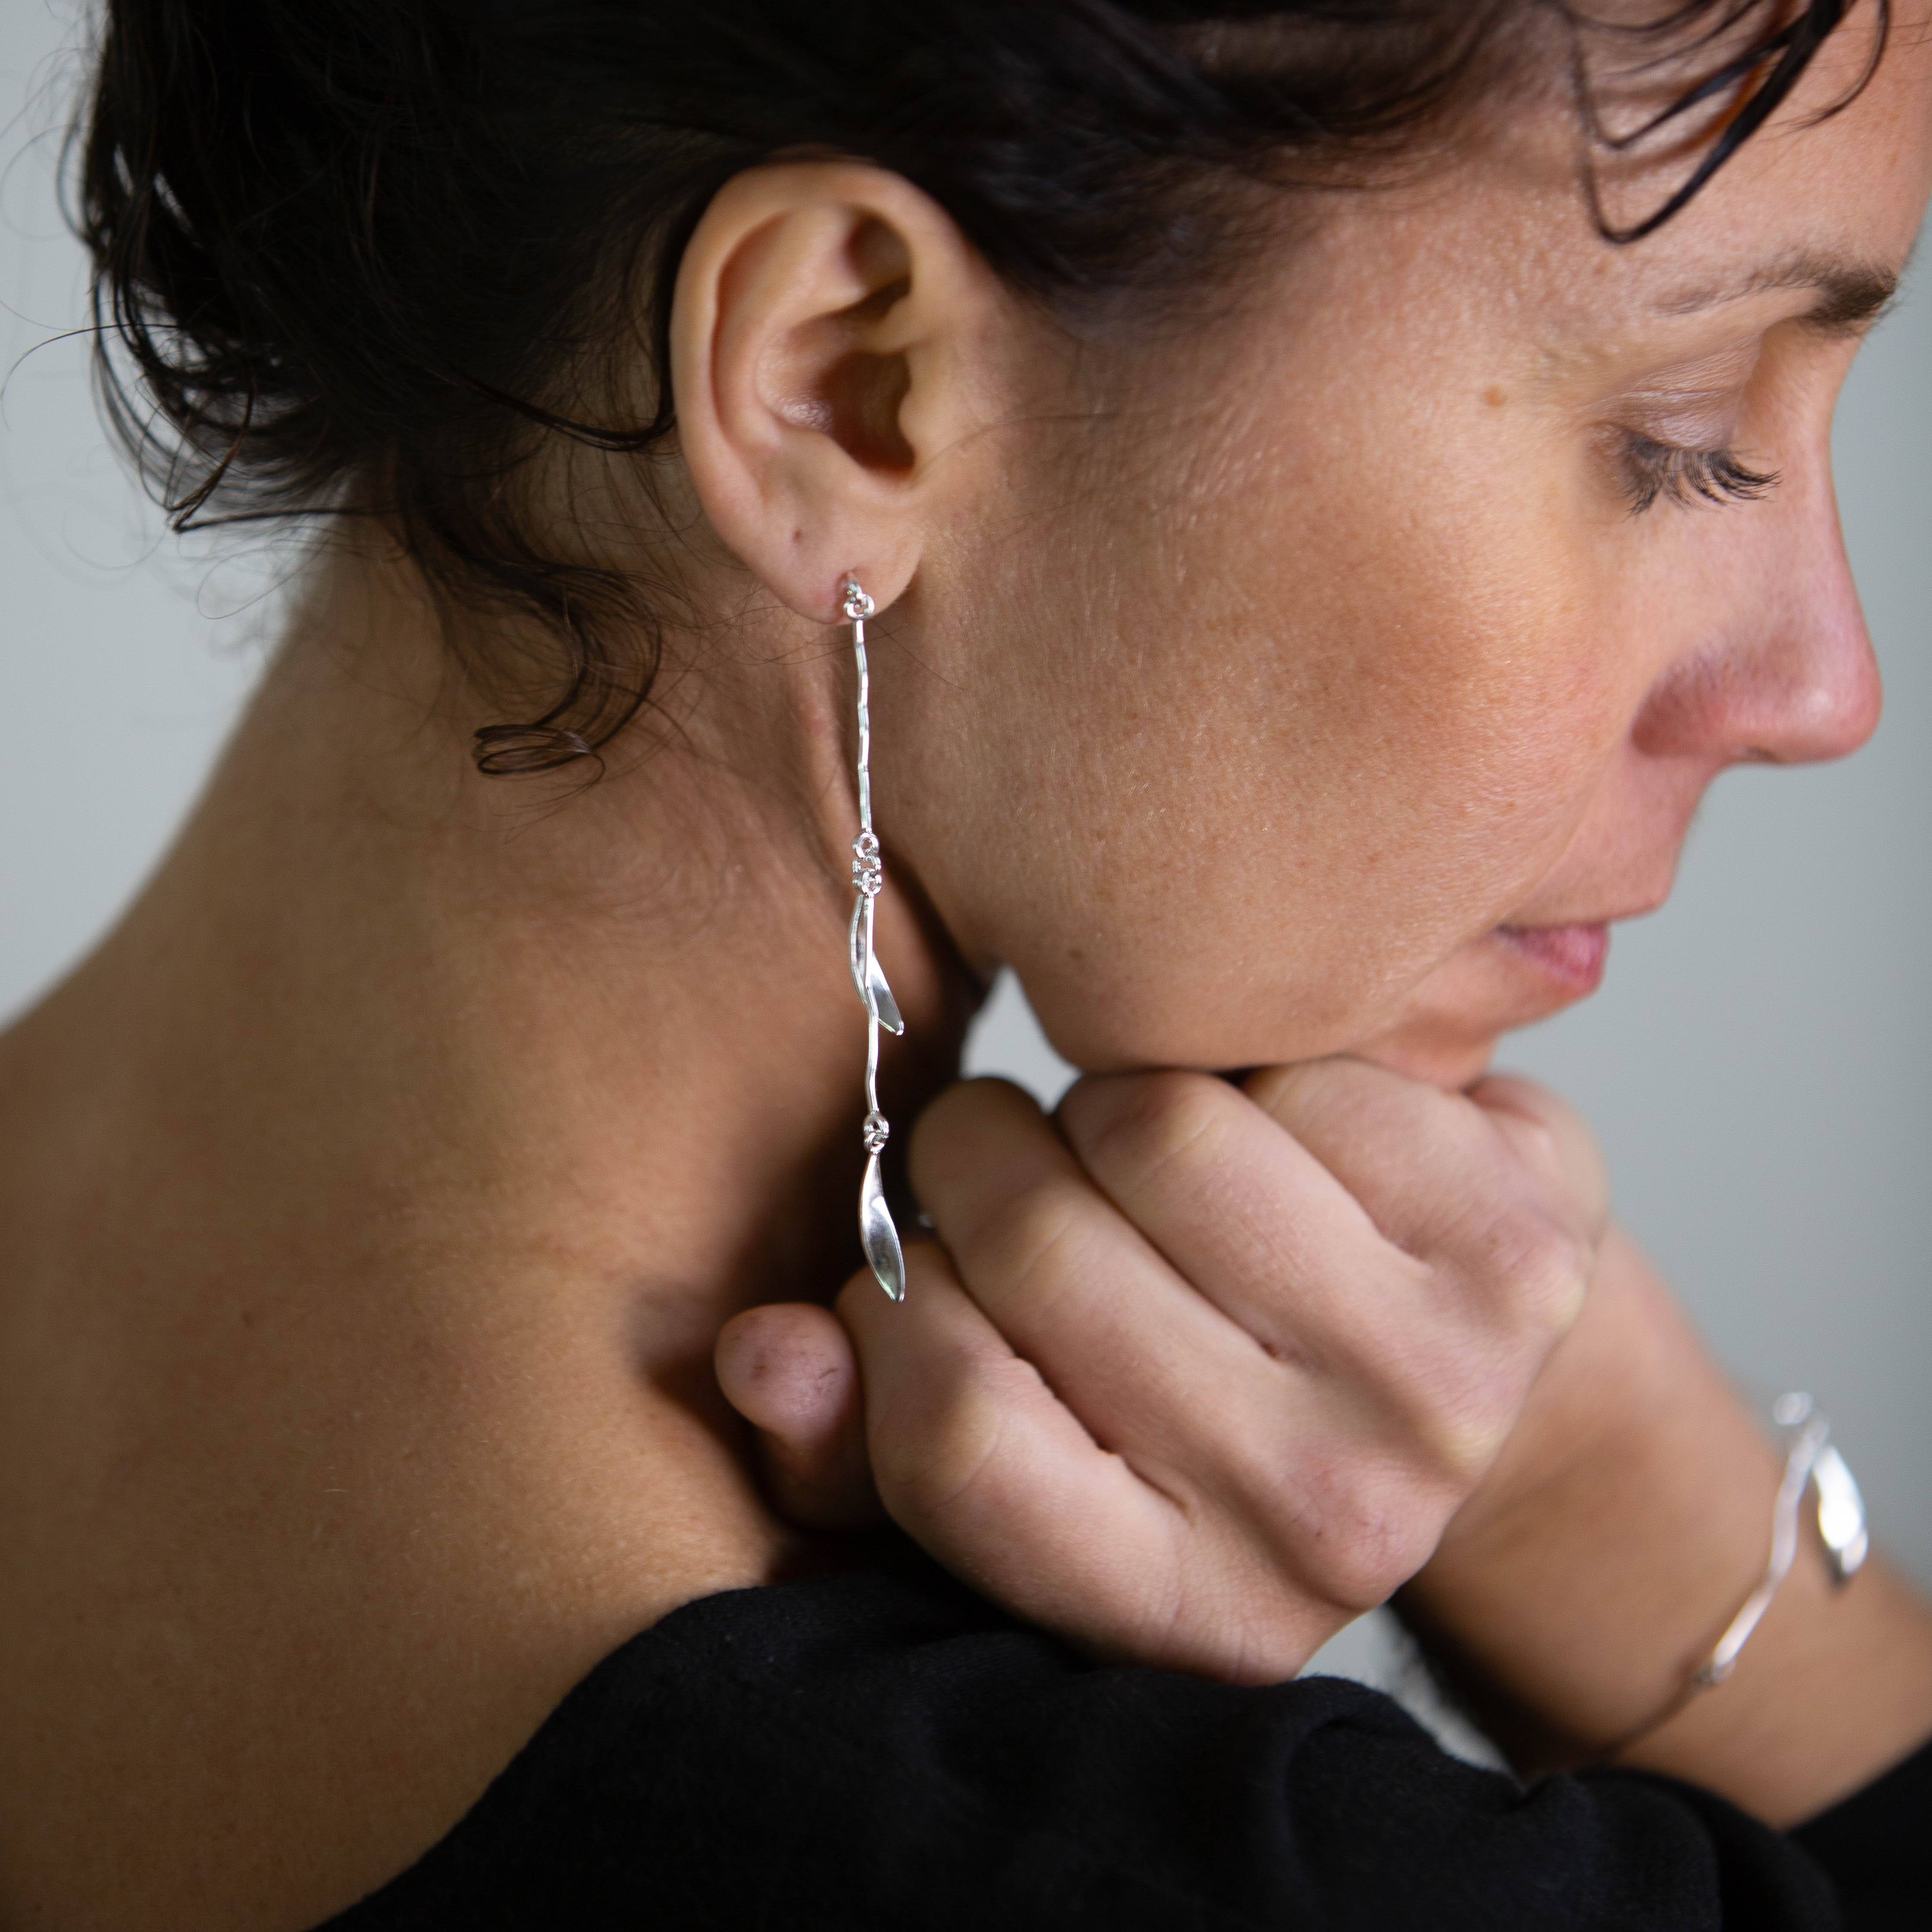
(830,334)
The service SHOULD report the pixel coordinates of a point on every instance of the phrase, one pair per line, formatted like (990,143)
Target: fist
(1196,1373)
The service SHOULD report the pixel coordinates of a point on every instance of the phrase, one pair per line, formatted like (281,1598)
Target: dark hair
(365,255)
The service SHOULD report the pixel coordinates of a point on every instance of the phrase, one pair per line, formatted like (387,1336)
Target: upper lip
(1544,923)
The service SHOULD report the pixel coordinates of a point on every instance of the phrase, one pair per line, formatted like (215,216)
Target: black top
(885,1750)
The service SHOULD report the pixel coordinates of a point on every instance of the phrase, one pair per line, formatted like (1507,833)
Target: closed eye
(1654,470)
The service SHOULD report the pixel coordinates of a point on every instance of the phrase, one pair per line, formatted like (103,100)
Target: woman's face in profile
(1373,649)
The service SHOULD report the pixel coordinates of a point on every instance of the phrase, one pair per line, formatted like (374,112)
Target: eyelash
(1654,470)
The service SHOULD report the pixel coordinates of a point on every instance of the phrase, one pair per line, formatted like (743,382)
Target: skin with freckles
(1309,676)
(1362,648)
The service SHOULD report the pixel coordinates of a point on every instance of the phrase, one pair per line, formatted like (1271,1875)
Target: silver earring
(876,1230)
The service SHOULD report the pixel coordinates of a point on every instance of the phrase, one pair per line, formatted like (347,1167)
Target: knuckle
(1365,1528)
(1447,1425)
(1553,1276)
(1444,1404)
(1456,1442)
(927,1475)
(1537,1267)
(1031,1240)
(1554,1140)
(1142,1124)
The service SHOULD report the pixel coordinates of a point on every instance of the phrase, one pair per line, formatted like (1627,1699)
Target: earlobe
(823,323)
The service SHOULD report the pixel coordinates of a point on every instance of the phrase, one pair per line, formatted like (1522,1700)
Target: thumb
(788,1368)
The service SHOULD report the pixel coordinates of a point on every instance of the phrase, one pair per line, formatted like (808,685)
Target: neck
(459,1031)
(369,1203)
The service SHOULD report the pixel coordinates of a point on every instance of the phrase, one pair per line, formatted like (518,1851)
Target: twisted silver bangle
(1811,1462)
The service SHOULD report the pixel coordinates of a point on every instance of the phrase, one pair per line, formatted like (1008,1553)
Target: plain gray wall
(1757,1065)
(114,691)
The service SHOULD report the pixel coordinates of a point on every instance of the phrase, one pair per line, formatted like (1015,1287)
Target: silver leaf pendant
(867,975)
(881,1238)
(1841,1516)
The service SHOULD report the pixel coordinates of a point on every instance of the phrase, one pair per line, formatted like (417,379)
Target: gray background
(1757,1065)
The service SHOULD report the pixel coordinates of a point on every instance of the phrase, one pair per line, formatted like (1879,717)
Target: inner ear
(832,376)
(862,394)
(825,379)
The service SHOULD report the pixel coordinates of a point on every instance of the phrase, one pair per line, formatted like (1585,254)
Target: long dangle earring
(876,1230)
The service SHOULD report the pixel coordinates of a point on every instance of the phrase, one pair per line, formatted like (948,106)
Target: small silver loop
(868,871)
(857,606)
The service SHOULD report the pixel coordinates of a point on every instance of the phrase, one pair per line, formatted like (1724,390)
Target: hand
(1202,1376)
(1581,1582)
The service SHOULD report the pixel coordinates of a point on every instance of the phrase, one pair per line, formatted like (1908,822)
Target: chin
(1446,1031)
(1450,1063)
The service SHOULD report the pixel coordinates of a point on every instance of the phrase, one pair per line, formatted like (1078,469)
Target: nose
(1787,675)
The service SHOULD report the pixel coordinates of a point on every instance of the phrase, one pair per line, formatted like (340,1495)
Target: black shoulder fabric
(1877,1846)
(885,1751)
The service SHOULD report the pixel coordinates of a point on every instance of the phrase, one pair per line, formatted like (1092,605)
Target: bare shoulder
(297,1558)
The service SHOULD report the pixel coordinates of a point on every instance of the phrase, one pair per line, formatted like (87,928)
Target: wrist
(1624,1524)
(1834,1687)
(1572,1606)
(1574,1617)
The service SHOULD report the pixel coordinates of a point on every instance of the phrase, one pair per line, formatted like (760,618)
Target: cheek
(1292,697)
(1253,848)
(1262,813)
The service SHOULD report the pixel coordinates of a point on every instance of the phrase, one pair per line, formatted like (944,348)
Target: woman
(1317,571)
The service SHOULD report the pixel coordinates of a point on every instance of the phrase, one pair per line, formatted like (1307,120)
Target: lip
(1571,957)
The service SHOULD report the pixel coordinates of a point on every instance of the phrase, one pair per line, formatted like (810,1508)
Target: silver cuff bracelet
(1810,1462)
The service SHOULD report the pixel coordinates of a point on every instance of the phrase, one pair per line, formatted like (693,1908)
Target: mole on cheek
(1495,397)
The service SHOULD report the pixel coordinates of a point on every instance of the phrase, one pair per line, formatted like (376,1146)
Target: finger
(1480,1190)
(1246,1421)
(1401,1343)
(979,1460)
(789,1370)
(1345,1466)
(1072,1285)
(1420,1159)
(1253,1220)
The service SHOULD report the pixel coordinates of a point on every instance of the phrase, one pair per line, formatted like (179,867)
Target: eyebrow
(1850,295)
